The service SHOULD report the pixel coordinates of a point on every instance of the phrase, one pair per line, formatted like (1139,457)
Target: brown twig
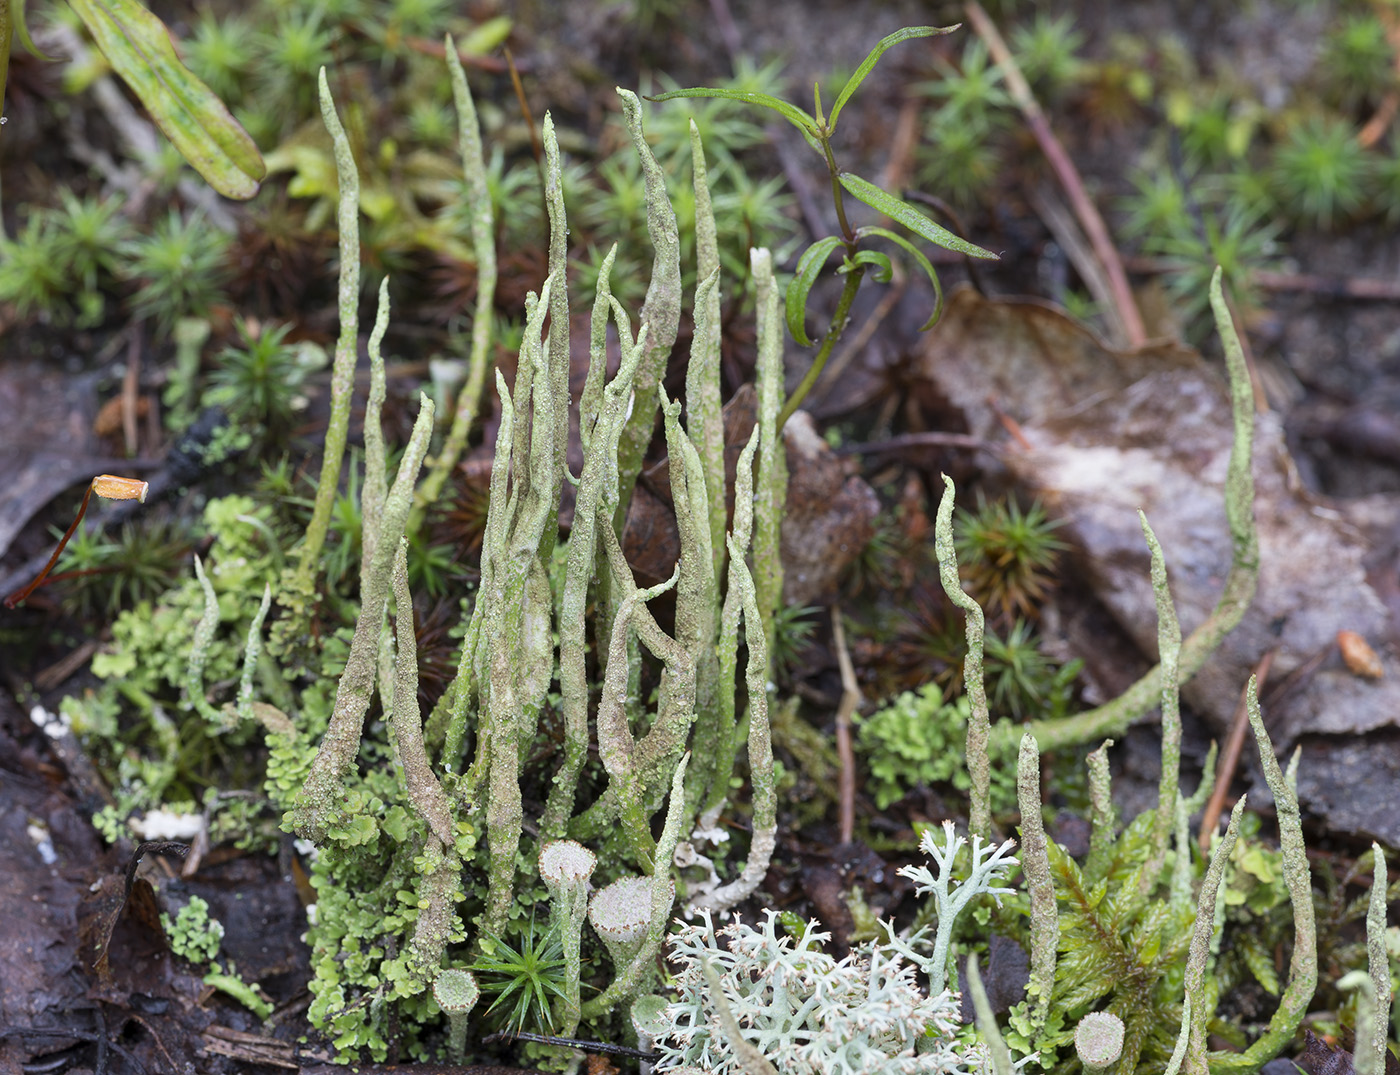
(535,147)
(1010,424)
(58,672)
(1230,758)
(1380,122)
(1359,288)
(850,700)
(1060,222)
(131,384)
(1065,172)
(920,440)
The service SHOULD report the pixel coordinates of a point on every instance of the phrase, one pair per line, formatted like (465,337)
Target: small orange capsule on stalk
(107,486)
(113,487)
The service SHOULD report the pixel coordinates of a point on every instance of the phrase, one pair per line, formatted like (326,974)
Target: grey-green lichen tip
(456,991)
(621,912)
(566,862)
(1098,1039)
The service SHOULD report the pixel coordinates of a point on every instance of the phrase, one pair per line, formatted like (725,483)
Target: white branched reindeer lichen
(797,1009)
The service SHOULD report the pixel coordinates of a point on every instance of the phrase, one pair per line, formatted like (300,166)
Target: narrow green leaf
(901,211)
(853,83)
(809,267)
(22,31)
(138,46)
(485,37)
(794,115)
(884,268)
(924,263)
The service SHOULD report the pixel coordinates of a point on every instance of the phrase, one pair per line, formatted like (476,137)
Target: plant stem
(839,321)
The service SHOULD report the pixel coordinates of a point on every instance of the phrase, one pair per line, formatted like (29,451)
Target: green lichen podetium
(297,593)
(1114,717)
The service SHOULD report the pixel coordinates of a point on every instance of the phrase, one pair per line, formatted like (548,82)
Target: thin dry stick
(131,385)
(905,441)
(850,699)
(1378,124)
(1065,171)
(1230,759)
(1055,215)
(109,486)
(1354,288)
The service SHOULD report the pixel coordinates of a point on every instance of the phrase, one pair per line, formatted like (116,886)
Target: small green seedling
(109,486)
(818,128)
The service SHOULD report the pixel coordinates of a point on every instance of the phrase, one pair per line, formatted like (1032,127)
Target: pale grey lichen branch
(597,490)
(1114,717)
(1371,1049)
(343,367)
(703,405)
(252,649)
(616,746)
(727,644)
(1302,967)
(1103,831)
(761,775)
(771,486)
(199,649)
(979,721)
(697,597)
(376,486)
(483,233)
(661,311)
(557,344)
(1035,862)
(319,800)
(425,793)
(1199,952)
(989,865)
(1169,651)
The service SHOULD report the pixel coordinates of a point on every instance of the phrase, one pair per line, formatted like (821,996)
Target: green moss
(193,935)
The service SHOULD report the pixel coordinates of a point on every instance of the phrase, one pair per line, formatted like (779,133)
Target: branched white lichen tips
(456,991)
(620,913)
(566,862)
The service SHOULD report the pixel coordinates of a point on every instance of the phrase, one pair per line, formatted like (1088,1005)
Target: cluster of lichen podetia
(425,846)
(425,840)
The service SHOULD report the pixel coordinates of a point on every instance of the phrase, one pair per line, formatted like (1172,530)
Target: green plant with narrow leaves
(1357,61)
(31,276)
(858,258)
(179,268)
(1320,172)
(258,381)
(526,977)
(1010,555)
